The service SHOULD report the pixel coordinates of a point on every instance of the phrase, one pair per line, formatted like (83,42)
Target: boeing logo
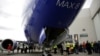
(67,4)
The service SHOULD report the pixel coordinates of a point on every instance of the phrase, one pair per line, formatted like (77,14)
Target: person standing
(84,47)
(67,47)
(64,48)
(55,49)
(95,47)
(9,48)
(88,47)
(76,48)
(99,46)
(18,48)
(25,49)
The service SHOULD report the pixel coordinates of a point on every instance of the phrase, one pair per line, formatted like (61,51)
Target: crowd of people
(70,48)
(65,47)
(21,48)
(27,49)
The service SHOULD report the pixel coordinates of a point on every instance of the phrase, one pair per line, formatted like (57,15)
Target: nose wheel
(47,52)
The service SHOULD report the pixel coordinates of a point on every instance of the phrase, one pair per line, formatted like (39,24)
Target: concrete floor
(39,54)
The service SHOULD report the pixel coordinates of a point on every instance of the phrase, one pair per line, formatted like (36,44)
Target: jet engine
(6,42)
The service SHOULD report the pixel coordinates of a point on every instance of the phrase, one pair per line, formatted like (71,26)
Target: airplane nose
(57,14)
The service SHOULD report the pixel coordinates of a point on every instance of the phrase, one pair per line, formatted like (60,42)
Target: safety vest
(91,44)
(67,44)
(55,46)
(73,45)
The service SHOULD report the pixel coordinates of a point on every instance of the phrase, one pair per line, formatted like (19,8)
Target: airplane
(51,18)
(49,21)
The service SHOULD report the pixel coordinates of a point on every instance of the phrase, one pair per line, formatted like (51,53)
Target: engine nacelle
(4,44)
(1,46)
